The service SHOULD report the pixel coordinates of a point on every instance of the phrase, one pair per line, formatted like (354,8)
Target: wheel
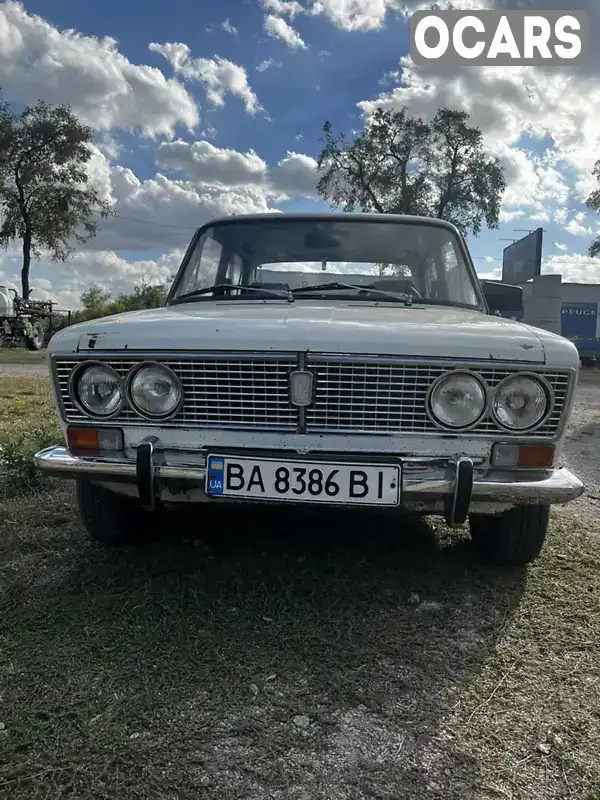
(112,519)
(36,342)
(513,538)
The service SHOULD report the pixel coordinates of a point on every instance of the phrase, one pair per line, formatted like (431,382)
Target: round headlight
(99,390)
(457,400)
(155,391)
(520,402)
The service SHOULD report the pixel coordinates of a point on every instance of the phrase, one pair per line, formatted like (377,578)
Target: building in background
(576,304)
(569,309)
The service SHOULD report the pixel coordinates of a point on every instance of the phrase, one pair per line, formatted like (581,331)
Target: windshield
(330,259)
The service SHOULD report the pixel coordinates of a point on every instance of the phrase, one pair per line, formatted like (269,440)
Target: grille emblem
(301,387)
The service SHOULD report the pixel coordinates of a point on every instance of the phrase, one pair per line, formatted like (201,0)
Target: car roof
(333,215)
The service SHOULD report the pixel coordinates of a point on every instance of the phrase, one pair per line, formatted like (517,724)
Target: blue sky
(542,125)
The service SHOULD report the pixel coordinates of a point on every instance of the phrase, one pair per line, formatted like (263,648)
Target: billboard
(522,260)
(579,320)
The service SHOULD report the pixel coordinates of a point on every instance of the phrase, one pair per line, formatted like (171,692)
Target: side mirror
(503,297)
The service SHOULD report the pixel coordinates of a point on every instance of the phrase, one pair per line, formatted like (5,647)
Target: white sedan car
(335,359)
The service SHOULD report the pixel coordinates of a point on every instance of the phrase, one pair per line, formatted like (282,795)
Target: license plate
(303,481)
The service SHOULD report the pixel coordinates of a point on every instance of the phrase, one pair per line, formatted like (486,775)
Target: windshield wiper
(369,290)
(207,289)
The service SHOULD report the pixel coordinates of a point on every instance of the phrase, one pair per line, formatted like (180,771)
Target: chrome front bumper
(453,488)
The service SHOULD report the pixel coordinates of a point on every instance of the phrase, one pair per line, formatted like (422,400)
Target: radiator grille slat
(351,395)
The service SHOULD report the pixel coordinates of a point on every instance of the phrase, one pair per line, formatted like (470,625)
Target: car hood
(325,326)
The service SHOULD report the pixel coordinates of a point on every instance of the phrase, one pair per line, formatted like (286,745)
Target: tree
(401,165)
(96,302)
(45,199)
(144,295)
(593,202)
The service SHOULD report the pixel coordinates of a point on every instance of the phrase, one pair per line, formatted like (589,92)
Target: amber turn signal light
(92,440)
(536,456)
(523,456)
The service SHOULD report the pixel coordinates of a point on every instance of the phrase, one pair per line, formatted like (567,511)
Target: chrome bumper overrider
(451,487)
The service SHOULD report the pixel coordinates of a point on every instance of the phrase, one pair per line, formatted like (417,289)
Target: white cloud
(228,27)
(218,75)
(494,274)
(296,175)
(203,163)
(560,215)
(575,228)
(576,269)
(160,213)
(354,15)
(369,15)
(103,87)
(509,216)
(266,64)
(278,28)
(532,183)
(283,7)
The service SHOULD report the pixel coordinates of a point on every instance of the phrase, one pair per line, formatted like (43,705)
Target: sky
(201,110)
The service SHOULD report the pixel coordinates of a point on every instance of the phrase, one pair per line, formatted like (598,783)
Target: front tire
(112,519)
(514,538)
(36,341)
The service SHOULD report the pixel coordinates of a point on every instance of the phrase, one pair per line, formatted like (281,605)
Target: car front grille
(352,394)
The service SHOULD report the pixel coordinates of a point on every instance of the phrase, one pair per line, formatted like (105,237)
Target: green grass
(186,668)
(24,402)
(27,424)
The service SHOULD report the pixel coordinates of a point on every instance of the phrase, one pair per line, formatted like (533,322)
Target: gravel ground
(582,448)
(23,370)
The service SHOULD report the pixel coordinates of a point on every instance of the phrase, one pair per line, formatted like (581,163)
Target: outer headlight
(155,391)
(520,402)
(98,390)
(457,400)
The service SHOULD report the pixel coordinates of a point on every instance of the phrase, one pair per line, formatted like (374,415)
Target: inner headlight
(520,402)
(155,391)
(457,400)
(99,390)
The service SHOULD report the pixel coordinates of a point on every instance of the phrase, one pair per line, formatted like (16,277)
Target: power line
(154,224)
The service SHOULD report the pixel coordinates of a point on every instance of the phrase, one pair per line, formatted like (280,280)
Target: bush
(16,456)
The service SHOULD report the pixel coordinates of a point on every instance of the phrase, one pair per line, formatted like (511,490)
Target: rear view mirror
(503,297)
